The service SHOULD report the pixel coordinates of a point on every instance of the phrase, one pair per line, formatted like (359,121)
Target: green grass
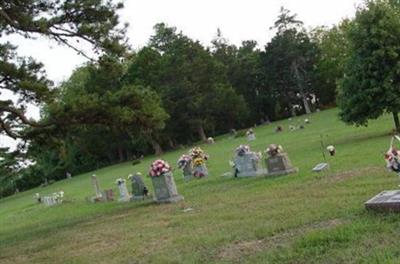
(298,218)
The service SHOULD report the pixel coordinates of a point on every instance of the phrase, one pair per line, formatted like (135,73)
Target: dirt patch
(239,250)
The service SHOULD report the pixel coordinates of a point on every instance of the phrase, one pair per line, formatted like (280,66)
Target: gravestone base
(257,173)
(279,165)
(187,177)
(386,201)
(165,189)
(173,199)
(140,198)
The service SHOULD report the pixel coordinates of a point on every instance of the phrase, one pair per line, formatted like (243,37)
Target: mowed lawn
(299,218)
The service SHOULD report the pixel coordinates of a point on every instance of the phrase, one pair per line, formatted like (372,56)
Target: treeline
(175,91)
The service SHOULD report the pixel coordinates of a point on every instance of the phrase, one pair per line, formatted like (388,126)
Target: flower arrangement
(198,161)
(242,149)
(331,149)
(274,150)
(119,181)
(183,161)
(198,153)
(392,158)
(158,168)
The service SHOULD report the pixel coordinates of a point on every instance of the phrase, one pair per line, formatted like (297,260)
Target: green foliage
(371,83)
(289,62)
(333,48)
(65,22)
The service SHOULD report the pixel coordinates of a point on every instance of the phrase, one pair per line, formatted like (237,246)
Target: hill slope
(302,218)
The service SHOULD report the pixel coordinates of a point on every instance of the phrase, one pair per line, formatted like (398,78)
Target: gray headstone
(251,137)
(123,192)
(279,165)
(387,201)
(138,188)
(165,189)
(188,171)
(247,165)
(96,186)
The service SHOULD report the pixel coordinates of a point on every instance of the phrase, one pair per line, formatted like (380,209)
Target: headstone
(200,171)
(108,195)
(188,171)
(320,167)
(68,174)
(247,165)
(139,190)
(49,200)
(279,164)
(386,201)
(123,191)
(251,137)
(96,186)
(165,189)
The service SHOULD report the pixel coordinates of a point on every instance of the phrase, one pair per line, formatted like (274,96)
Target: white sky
(238,20)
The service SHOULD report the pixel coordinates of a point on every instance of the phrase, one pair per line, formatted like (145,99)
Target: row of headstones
(248,165)
(164,190)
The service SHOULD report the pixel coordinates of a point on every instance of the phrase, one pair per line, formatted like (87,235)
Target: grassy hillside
(299,218)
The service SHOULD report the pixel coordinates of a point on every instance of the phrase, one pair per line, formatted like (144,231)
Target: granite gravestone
(200,171)
(279,164)
(386,201)
(139,190)
(165,189)
(251,137)
(187,171)
(123,191)
(49,200)
(96,186)
(247,165)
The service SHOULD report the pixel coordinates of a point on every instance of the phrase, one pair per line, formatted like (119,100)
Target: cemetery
(278,142)
(331,204)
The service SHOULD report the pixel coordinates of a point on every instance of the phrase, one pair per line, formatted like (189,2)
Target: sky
(238,20)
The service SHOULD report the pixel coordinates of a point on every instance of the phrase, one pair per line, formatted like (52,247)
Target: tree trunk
(396,121)
(157,148)
(305,102)
(171,143)
(301,88)
(121,155)
(200,131)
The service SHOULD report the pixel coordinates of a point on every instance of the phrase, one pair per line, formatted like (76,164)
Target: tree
(333,46)
(289,61)
(371,83)
(65,22)
(186,77)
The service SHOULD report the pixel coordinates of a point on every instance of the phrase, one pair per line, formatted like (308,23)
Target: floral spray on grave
(199,159)
(392,157)
(163,182)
